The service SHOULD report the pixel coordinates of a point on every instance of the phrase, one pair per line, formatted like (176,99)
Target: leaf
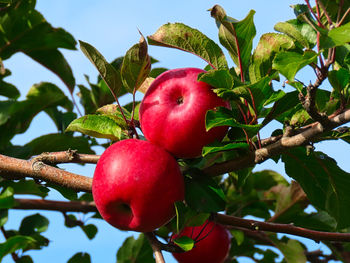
(6,89)
(15,243)
(191,40)
(99,126)
(238,235)
(293,251)
(336,37)
(3,217)
(269,44)
(202,194)
(24,29)
(339,79)
(33,224)
(325,184)
(289,63)
(218,147)
(221,79)
(136,66)
(135,251)
(235,36)
(300,31)
(113,111)
(26,186)
(80,257)
(6,198)
(224,117)
(108,73)
(90,230)
(184,242)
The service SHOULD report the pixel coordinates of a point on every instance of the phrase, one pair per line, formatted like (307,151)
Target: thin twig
(344,17)
(156,247)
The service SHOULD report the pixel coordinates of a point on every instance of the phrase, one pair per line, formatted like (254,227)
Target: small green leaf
(136,66)
(3,216)
(289,63)
(293,251)
(80,257)
(99,126)
(33,224)
(6,198)
(191,40)
(15,243)
(203,194)
(336,37)
(238,235)
(109,74)
(90,230)
(184,242)
(136,251)
(218,147)
(221,79)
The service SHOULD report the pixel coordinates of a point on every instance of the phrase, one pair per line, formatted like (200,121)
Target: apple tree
(261,93)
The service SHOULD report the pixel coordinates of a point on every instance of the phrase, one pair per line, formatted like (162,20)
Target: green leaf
(289,63)
(339,79)
(238,235)
(336,37)
(136,66)
(33,224)
(24,29)
(203,194)
(90,230)
(269,44)
(293,251)
(135,251)
(80,257)
(113,111)
(6,198)
(3,216)
(219,147)
(191,40)
(15,243)
(184,242)
(99,126)
(26,186)
(67,193)
(108,73)
(325,184)
(221,79)
(300,31)
(224,117)
(236,36)
(25,259)
(6,89)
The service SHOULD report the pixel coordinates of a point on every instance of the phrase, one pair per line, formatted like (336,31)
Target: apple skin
(213,248)
(172,112)
(135,185)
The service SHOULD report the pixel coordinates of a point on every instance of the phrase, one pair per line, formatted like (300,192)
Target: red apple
(212,244)
(135,185)
(172,112)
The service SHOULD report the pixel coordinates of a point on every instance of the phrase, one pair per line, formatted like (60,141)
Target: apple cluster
(136,182)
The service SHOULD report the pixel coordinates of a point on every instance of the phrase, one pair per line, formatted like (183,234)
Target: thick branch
(16,169)
(69,156)
(281,228)
(278,147)
(61,206)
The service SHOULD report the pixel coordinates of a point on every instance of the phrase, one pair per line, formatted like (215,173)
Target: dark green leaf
(186,243)
(109,74)
(81,257)
(236,36)
(67,193)
(135,251)
(90,230)
(322,180)
(15,243)
(61,119)
(33,224)
(8,90)
(3,216)
(136,66)
(203,194)
(6,198)
(26,186)
(289,63)
(218,147)
(185,38)
(269,44)
(336,37)
(99,126)
(25,259)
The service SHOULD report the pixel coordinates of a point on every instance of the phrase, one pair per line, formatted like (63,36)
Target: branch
(14,168)
(61,206)
(69,156)
(157,250)
(281,228)
(278,147)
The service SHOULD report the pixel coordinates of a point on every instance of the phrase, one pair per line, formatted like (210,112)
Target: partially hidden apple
(173,110)
(212,244)
(135,185)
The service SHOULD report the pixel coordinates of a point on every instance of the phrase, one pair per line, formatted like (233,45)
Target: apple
(212,244)
(135,185)
(172,112)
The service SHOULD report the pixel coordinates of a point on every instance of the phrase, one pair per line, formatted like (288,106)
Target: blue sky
(111,26)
